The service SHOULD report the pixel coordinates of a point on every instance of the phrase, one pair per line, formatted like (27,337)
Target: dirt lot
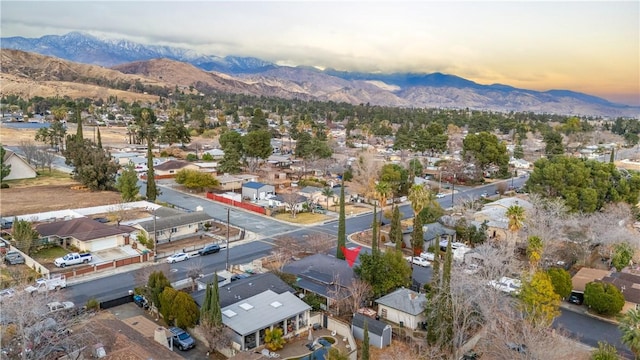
(35,199)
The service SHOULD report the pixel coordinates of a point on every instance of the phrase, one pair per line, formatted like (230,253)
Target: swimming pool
(319,354)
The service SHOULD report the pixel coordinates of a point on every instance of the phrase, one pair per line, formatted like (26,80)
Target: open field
(35,199)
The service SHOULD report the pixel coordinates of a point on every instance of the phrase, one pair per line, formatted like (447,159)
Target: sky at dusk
(591,47)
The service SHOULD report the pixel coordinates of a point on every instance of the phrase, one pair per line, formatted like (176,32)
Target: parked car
(73,259)
(60,306)
(484,195)
(181,339)
(6,293)
(13,258)
(209,249)
(576,299)
(440,195)
(416,260)
(428,256)
(177,258)
(507,285)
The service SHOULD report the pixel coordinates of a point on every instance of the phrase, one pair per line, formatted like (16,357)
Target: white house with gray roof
(403,307)
(249,319)
(170,224)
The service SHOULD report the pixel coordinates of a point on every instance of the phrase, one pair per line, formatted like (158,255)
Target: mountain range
(258,77)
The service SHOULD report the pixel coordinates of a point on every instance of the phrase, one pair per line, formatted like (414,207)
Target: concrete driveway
(145,324)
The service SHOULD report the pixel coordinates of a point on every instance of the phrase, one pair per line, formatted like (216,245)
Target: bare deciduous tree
(29,149)
(194,272)
(291,201)
(319,243)
(284,249)
(217,337)
(36,332)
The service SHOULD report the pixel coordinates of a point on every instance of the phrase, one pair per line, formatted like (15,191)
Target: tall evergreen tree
(211,311)
(395,233)
(342,228)
(127,184)
(78,116)
(5,169)
(99,139)
(417,235)
(365,342)
(374,232)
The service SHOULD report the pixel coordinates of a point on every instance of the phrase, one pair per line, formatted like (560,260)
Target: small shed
(379,332)
(254,190)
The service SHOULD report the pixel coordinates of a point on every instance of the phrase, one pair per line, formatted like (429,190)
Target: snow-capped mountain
(254,76)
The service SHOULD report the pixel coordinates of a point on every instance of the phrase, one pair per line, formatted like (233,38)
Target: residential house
(171,167)
(403,307)
(519,163)
(234,291)
(207,167)
(323,275)
(125,158)
(234,182)
(250,318)
(20,168)
(629,286)
(287,201)
(85,234)
(379,332)
(585,276)
(431,233)
(313,193)
(253,190)
(215,153)
(170,224)
(495,214)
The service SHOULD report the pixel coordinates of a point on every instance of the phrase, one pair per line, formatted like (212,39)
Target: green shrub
(603,298)
(192,157)
(604,352)
(93,304)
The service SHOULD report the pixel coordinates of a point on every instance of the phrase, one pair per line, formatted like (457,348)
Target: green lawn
(50,254)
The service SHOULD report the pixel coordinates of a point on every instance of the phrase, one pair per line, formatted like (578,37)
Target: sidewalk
(249,237)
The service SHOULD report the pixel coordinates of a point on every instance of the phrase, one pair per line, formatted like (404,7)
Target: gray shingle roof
(374,326)
(405,300)
(265,309)
(245,288)
(171,221)
(83,229)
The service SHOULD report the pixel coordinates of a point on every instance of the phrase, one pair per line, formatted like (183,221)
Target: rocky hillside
(161,76)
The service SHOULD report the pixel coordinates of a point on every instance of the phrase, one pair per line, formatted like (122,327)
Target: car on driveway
(440,195)
(181,339)
(209,249)
(429,256)
(177,258)
(576,299)
(417,260)
(13,258)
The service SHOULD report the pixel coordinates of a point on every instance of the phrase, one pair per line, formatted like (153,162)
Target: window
(384,313)
(174,230)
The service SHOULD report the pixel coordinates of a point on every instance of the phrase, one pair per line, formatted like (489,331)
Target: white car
(6,293)
(59,306)
(177,257)
(428,256)
(440,195)
(416,260)
(507,285)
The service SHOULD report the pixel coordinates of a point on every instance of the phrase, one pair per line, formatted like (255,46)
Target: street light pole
(227,265)
(453,189)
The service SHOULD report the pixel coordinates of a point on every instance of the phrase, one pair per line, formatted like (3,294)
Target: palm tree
(515,214)
(327,192)
(419,197)
(630,329)
(382,192)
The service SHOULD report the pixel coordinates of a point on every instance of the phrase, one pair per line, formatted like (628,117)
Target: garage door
(102,244)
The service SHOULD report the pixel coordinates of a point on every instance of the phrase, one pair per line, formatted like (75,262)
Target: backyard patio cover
(263,310)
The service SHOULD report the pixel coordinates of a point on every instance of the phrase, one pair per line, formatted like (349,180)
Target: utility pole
(228,210)
(453,190)
(155,238)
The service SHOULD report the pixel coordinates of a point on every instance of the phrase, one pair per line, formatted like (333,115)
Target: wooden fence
(240,204)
